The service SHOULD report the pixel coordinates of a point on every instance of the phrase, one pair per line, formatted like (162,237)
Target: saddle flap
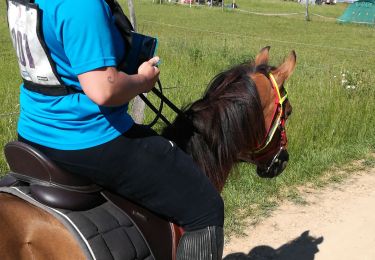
(27,163)
(161,235)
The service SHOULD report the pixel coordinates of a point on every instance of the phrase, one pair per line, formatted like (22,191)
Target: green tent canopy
(362,11)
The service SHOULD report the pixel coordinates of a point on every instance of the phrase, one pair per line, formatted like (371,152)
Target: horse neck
(207,148)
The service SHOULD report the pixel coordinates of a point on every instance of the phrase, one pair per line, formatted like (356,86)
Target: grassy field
(332,90)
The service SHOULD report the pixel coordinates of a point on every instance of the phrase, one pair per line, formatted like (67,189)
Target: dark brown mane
(227,120)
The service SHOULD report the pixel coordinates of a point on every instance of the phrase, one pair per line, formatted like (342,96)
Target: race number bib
(25,29)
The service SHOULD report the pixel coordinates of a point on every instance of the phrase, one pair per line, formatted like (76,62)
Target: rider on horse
(74,100)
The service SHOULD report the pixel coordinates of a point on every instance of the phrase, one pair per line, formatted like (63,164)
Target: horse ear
(286,69)
(262,57)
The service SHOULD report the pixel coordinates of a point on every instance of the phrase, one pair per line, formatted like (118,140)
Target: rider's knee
(211,213)
(218,211)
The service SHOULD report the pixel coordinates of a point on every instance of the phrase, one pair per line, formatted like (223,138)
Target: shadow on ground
(303,247)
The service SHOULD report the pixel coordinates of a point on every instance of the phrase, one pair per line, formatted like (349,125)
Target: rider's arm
(109,87)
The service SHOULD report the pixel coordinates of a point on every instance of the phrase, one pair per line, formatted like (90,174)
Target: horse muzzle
(276,166)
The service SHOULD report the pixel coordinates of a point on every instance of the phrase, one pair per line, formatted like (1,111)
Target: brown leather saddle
(57,188)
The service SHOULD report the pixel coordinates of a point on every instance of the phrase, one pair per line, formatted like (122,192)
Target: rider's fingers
(154,60)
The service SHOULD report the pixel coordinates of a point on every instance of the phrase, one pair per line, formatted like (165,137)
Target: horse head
(271,154)
(241,117)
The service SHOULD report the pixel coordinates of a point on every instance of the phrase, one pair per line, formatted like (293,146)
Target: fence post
(132,14)
(307,17)
(138,105)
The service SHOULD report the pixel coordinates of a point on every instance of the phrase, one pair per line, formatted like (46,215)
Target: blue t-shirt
(81,36)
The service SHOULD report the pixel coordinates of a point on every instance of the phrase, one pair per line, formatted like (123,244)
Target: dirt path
(337,223)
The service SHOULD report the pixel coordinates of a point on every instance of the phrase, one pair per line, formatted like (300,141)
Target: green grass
(9,82)
(332,124)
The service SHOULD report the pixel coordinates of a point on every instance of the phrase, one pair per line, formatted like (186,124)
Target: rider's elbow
(102,86)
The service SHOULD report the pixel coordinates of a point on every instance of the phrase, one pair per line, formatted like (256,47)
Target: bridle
(279,161)
(278,121)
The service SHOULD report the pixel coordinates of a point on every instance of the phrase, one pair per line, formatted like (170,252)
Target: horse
(240,118)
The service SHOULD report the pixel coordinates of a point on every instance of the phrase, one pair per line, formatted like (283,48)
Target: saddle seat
(49,184)
(57,188)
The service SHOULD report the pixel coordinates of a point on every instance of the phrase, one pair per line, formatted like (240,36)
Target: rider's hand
(151,73)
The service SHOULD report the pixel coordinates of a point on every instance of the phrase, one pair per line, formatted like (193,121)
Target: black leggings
(150,170)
